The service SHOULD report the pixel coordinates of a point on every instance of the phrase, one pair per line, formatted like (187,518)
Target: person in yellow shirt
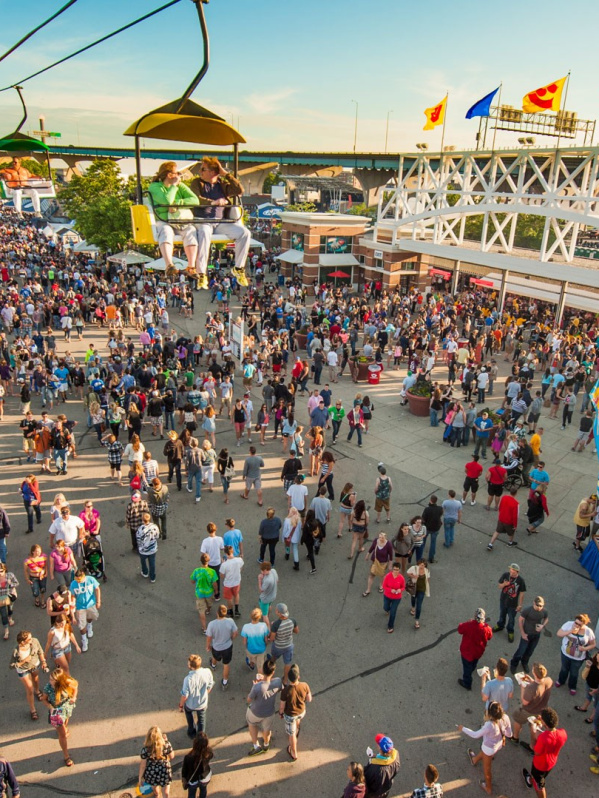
(535,444)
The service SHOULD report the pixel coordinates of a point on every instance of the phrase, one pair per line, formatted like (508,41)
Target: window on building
(378,263)
(409,267)
(335,245)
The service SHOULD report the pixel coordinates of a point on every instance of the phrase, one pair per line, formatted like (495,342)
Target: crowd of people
(154,396)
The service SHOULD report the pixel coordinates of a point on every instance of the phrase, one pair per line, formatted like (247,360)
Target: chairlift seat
(44,188)
(145,223)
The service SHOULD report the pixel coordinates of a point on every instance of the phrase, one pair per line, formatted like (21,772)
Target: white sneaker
(472,504)
(90,630)
(84,643)
(463,501)
(189,490)
(198,500)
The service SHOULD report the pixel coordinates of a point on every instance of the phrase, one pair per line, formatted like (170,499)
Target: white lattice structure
(434,196)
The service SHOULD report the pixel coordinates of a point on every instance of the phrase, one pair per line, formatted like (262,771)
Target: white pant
(235,230)
(166,234)
(17,198)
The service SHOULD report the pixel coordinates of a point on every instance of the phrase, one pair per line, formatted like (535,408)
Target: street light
(387,129)
(355,126)
(422,146)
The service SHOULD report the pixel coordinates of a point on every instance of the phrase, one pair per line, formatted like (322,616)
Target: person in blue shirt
(538,476)
(233,537)
(88,601)
(482,425)
(255,636)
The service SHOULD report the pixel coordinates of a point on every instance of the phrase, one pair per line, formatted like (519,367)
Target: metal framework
(437,192)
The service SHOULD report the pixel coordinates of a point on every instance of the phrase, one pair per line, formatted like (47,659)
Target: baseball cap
(135,496)
(514,566)
(384,743)
(282,610)
(539,601)
(480,615)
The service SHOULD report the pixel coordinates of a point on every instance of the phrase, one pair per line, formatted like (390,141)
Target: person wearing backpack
(382,491)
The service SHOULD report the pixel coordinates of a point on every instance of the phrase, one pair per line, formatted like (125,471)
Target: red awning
(440,273)
(485,283)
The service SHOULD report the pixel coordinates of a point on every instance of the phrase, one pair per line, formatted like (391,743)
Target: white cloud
(267,103)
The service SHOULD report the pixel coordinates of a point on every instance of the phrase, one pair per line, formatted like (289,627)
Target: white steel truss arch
(436,193)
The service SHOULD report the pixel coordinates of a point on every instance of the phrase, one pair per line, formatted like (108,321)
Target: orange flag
(547,98)
(435,115)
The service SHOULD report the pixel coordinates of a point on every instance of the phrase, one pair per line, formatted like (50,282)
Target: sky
(287,74)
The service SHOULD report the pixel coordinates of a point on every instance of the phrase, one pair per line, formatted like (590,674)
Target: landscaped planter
(359,368)
(419,405)
(301,339)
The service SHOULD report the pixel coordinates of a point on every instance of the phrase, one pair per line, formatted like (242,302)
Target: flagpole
(443,139)
(559,132)
(499,107)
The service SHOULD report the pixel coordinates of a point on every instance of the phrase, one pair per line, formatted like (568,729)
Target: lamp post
(387,129)
(355,126)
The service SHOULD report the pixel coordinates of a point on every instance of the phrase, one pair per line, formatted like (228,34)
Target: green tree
(99,203)
(364,210)
(301,207)
(271,179)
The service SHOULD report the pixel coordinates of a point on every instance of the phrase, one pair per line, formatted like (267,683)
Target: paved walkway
(364,681)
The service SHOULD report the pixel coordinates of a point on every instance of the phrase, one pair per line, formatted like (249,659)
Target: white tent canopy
(129,257)
(338,259)
(160,266)
(291,256)
(83,246)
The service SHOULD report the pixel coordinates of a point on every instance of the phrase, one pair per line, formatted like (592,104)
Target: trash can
(374,373)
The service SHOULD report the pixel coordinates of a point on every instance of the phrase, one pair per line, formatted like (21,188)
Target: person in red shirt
(475,636)
(507,519)
(547,742)
(393,586)
(473,471)
(496,476)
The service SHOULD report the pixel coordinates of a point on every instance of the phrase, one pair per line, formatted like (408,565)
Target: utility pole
(356,126)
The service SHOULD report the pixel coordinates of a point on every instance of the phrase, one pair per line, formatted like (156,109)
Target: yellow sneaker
(202,281)
(239,275)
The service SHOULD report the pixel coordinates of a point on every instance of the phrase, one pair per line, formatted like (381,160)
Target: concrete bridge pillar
(372,180)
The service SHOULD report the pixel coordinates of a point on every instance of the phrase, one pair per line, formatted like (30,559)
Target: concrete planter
(419,405)
(359,369)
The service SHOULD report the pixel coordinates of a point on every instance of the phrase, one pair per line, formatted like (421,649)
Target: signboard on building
(297,241)
(236,338)
(378,254)
(337,244)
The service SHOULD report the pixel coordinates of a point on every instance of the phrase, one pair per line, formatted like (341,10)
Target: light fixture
(422,146)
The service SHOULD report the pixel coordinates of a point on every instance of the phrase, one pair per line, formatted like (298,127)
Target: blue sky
(289,71)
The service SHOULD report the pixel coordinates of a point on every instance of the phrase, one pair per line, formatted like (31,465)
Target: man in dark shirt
(512,589)
(216,188)
(431,518)
(586,425)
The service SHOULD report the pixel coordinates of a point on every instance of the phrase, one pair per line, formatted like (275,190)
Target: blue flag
(482,107)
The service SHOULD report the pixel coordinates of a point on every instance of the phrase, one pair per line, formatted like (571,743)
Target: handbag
(411,587)
(185,783)
(229,472)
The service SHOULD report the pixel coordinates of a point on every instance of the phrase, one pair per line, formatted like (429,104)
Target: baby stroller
(93,557)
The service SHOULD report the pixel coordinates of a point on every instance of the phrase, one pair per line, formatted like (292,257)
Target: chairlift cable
(93,44)
(35,30)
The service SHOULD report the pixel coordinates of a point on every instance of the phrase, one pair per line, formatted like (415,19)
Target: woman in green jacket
(167,190)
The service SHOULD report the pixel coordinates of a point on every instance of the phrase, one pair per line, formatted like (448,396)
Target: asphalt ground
(363,680)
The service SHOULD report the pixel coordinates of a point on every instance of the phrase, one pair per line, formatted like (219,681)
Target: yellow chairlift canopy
(193,124)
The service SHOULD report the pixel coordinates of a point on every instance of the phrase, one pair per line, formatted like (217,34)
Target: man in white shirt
(230,573)
(332,361)
(481,383)
(69,528)
(213,546)
(407,383)
(297,494)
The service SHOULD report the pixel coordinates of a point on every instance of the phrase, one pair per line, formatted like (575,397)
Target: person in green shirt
(167,190)
(336,414)
(205,578)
